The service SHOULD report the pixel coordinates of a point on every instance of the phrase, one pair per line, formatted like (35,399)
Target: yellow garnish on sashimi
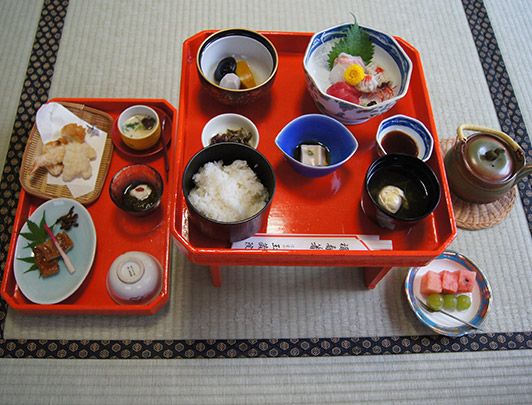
(244,73)
(354,74)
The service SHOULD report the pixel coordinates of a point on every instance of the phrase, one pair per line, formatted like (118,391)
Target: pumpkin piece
(449,281)
(430,283)
(244,73)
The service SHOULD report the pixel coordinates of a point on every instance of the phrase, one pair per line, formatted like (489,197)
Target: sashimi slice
(344,91)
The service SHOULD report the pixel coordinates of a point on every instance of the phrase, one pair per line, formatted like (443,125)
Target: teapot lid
(489,158)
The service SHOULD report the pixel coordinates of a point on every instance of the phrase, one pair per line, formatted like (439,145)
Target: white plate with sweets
(53,282)
(472,295)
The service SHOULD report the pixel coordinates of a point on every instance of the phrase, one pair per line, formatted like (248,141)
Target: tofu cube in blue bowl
(316,145)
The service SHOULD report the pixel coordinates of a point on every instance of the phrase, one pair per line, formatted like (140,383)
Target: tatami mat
(503,378)
(103,54)
(18,22)
(282,302)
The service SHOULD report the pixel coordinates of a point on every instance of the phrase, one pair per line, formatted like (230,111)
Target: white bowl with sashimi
(355,73)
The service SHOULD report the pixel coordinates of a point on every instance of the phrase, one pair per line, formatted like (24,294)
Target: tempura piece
(77,161)
(73,133)
(70,155)
(51,157)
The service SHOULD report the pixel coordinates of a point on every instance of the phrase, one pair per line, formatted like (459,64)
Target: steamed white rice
(227,193)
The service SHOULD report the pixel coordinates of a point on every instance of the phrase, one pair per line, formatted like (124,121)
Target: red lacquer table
(303,206)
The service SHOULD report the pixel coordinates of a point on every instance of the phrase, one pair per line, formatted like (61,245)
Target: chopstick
(448,314)
(66,259)
(165,150)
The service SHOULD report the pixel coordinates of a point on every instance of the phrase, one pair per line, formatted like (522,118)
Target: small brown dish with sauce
(137,189)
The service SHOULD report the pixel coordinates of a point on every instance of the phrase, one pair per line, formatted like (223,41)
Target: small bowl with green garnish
(355,73)
(139,127)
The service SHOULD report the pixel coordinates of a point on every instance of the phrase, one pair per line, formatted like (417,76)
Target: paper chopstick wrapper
(50,118)
(314,242)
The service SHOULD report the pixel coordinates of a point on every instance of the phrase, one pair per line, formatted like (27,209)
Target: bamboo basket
(36,183)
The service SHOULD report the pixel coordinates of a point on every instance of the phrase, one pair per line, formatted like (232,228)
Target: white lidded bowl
(221,123)
(388,54)
(135,278)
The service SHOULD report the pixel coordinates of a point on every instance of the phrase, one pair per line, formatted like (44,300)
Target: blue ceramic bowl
(312,128)
(413,128)
(388,54)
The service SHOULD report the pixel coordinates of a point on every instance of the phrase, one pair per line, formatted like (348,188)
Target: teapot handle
(486,130)
(479,128)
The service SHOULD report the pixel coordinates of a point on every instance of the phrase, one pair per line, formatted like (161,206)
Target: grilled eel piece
(46,254)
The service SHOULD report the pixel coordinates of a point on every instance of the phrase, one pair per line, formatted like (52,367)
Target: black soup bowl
(399,191)
(228,152)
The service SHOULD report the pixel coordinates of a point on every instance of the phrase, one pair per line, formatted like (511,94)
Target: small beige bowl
(221,123)
(143,142)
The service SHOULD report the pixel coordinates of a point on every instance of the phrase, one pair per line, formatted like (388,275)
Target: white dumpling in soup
(391,199)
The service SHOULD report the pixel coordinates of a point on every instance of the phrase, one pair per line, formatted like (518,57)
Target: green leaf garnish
(37,234)
(33,267)
(356,42)
(132,125)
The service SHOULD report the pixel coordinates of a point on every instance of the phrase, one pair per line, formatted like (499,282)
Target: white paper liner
(313,242)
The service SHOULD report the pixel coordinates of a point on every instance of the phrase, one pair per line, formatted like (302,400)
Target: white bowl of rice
(228,189)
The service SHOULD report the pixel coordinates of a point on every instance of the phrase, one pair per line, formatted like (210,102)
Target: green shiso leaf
(356,42)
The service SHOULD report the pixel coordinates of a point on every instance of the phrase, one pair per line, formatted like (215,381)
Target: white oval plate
(60,286)
(480,297)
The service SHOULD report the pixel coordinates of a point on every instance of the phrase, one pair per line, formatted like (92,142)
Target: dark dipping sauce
(399,142)
(415,191)
(131,202)
(297,151)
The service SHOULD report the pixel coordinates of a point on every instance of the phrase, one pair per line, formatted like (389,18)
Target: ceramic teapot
(485,165)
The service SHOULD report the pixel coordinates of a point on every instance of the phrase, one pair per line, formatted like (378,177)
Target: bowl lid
(489,158)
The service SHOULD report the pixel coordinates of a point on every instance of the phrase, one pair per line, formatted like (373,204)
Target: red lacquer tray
(301,205)
(116,232)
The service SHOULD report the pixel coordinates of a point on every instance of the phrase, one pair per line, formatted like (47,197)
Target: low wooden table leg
(372,275)
(216,276)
